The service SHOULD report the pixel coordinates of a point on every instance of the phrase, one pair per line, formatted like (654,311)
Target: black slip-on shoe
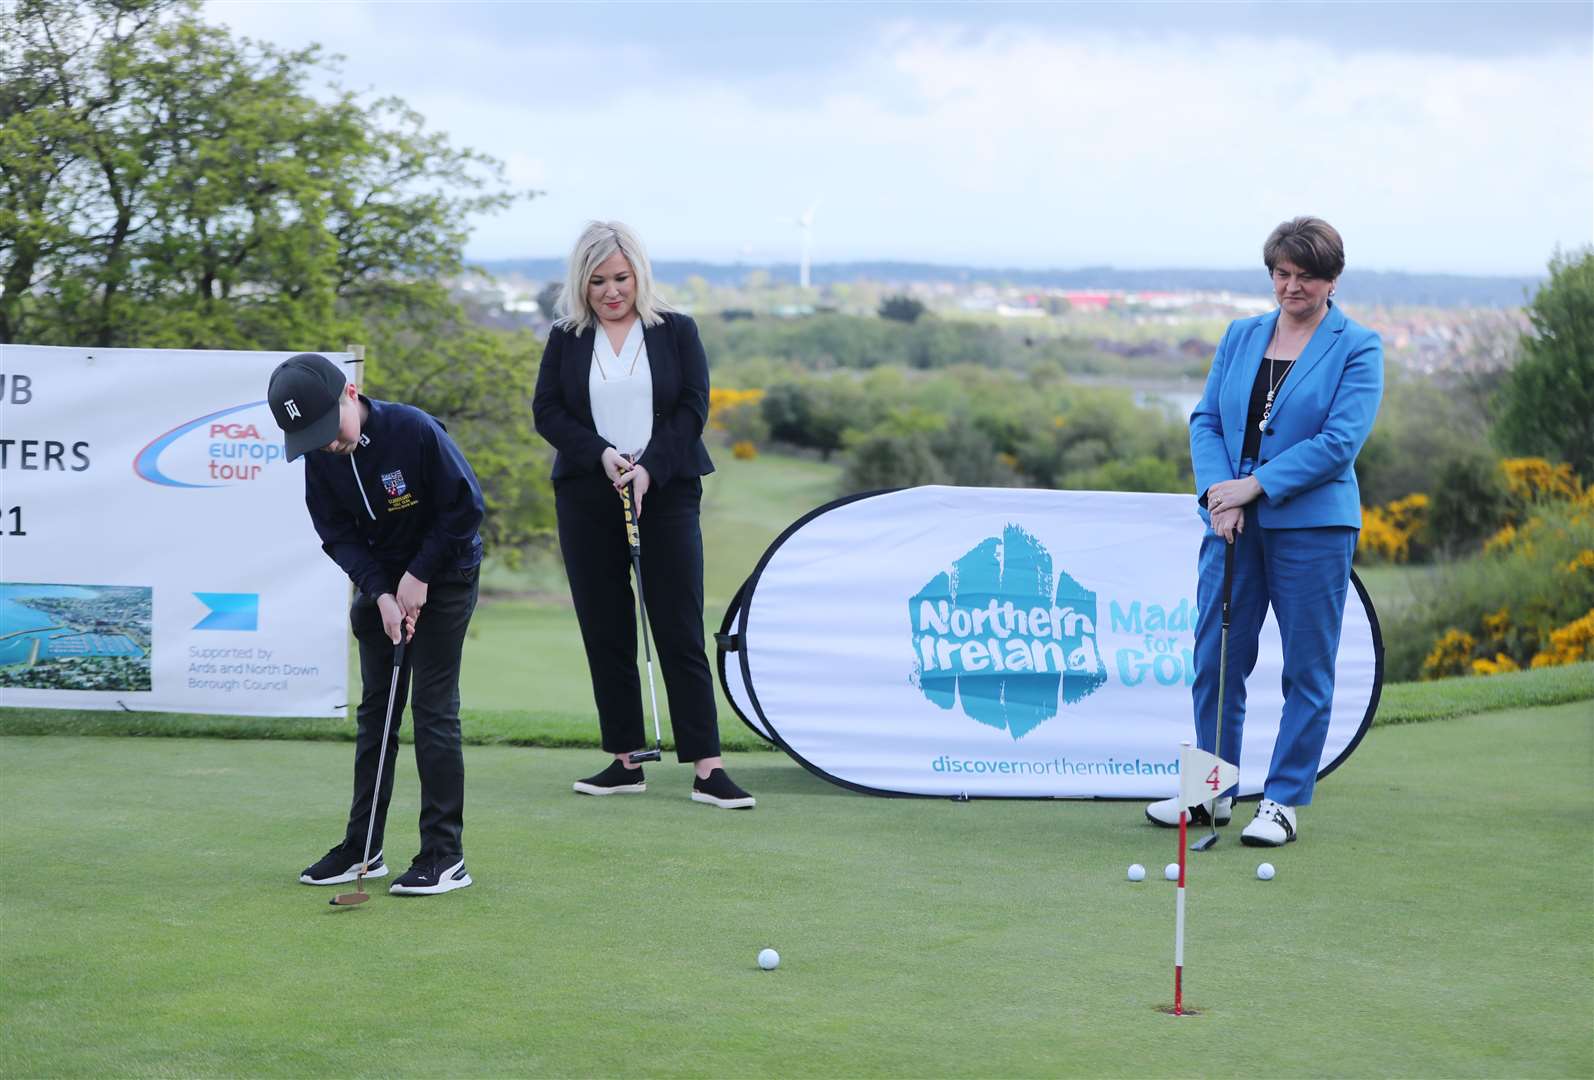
(719,790)
(615,780)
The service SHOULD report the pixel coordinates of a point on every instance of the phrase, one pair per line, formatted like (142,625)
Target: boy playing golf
(397,507)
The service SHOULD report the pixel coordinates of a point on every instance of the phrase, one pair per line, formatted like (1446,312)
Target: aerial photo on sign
(75,637)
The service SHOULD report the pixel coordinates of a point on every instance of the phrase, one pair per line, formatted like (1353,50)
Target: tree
(163,184)
(167,184)
(1547,402)
(548,298)
(901,309)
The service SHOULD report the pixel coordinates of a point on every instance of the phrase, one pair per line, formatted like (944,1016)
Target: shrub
(1395,533)
(1533,583)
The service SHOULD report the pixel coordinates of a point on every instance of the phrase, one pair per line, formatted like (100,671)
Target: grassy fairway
(1435,921)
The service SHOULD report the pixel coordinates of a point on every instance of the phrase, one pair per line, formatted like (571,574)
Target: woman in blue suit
(1289,403)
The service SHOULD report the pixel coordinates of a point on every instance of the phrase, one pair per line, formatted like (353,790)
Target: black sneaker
(342,864)
(427,876)
(719,790)
(615,780)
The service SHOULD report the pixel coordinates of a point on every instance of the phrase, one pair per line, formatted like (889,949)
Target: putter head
(1204,842)
(637,757)
(358,896)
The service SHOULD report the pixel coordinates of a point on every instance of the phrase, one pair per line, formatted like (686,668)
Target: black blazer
(562,404)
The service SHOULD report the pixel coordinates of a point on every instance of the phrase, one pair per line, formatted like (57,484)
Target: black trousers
(598,564)
(430,678)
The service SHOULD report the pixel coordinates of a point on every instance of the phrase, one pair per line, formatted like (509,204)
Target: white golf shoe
(1166,813)
(1273,826)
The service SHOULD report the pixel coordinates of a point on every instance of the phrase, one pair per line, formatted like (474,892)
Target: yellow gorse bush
(1388,531)
(1531,479)
(1451,654)
(721,400)
(1500,663)
(1584,560)
(1570,644)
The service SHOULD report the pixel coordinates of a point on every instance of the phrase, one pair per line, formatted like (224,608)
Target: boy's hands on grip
(395,623)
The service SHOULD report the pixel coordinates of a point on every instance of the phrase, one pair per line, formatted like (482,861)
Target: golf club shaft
(381,756)
(633,536)
(1223,662)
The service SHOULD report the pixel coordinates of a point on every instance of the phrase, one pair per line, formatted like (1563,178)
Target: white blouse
(621,386)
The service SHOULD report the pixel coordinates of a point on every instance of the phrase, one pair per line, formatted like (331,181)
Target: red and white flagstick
(1178,919)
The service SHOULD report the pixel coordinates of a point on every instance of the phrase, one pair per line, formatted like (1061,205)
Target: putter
(359,895)
(633,538)
(1211,837)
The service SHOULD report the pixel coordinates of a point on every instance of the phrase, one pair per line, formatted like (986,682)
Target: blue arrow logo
(229,611)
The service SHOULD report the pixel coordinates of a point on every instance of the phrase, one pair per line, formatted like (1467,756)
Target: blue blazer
(1322,415)
(561,405)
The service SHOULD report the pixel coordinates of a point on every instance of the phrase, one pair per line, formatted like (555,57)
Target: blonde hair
(598,241)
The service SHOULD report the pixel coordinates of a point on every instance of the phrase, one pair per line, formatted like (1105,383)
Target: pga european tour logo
(1004,636)
(230,446)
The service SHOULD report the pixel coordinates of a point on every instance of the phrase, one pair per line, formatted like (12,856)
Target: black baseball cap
(304,394)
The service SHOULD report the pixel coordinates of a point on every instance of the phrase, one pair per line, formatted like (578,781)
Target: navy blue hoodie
(406,499)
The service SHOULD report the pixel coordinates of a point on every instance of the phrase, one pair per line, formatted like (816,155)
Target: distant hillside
(1367,287)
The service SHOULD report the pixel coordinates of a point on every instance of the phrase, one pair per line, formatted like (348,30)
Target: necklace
(1272,388)
(636,356)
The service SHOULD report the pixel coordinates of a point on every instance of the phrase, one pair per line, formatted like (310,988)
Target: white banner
(155,550)
(1002,642)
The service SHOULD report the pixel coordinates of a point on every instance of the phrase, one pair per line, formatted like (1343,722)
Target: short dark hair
(1310,243)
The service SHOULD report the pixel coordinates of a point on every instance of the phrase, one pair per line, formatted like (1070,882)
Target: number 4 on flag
(1203,776)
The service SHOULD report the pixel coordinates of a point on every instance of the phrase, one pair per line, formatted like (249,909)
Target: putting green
(1434,921)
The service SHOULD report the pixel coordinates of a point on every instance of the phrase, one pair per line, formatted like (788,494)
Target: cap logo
(293,409)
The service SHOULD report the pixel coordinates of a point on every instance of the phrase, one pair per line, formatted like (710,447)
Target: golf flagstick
(1178,916)
(359,895)
(633,537)
(1223,671)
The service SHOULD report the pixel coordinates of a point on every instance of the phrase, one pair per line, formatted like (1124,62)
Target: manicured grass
(1434,921)
(1405,703)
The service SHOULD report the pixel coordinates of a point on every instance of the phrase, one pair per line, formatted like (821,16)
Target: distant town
(1430,323)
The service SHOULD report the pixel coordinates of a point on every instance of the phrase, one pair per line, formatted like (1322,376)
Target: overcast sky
(1442,137)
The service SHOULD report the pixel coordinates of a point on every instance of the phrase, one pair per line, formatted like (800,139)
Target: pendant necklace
(637,356)
(1273,385)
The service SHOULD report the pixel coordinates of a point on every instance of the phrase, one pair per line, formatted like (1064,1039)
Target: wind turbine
(806,223)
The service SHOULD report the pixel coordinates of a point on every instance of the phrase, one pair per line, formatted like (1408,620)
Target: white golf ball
(1137,872)
(768,959)
(1171,871)
(1265,871)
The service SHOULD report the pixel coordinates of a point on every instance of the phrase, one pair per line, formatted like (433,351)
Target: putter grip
(632,535)
(1228,576)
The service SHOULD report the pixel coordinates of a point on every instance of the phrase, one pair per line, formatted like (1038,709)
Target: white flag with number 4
(1203,776)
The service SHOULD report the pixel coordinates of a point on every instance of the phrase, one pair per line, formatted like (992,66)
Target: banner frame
(740,604)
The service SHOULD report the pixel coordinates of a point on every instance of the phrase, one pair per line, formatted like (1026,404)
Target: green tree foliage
(1469,502)
(901,309)
(1424,426)
(164,184)
(1547,402)
(817,413)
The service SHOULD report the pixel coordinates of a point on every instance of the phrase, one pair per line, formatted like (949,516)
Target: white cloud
(1007,146)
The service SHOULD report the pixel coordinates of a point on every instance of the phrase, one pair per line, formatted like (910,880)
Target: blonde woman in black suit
(622,394)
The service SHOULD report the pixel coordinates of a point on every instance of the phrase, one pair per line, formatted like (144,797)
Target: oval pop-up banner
(996,642)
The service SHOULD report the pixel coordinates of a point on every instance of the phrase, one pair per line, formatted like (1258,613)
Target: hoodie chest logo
(399,496)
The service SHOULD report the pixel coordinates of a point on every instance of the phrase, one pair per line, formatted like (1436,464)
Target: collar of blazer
(1239,399)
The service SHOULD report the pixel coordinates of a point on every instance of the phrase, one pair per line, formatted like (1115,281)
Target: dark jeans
(431,670)
(598,564)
